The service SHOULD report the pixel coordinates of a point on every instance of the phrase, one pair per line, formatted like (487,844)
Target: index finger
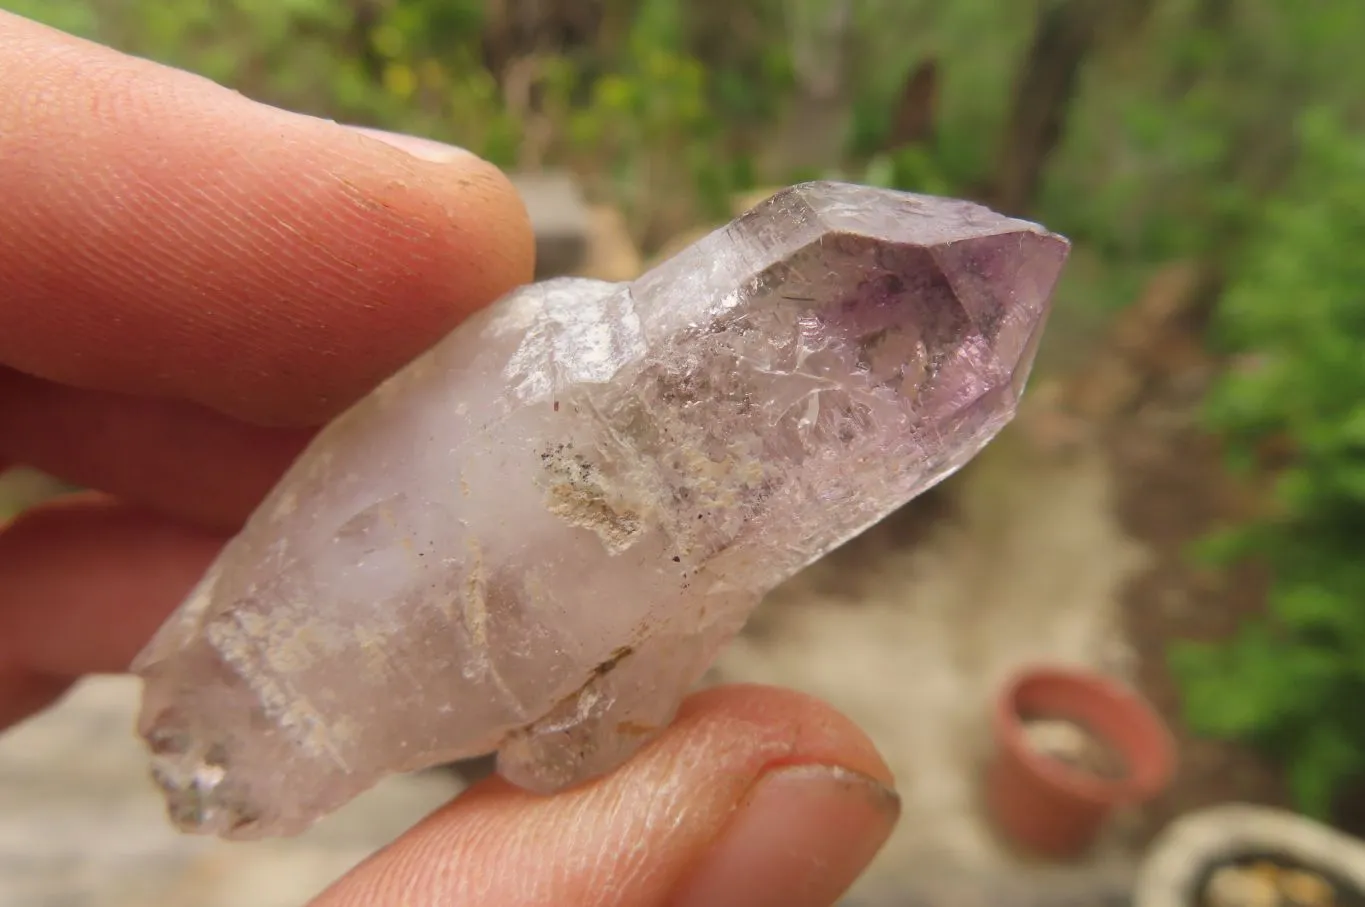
(164,236)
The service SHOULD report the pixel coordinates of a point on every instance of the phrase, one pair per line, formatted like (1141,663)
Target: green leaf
(1325,759)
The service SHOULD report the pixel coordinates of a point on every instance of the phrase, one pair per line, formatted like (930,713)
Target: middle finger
(177,457)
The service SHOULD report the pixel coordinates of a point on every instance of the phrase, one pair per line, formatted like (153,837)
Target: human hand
(189,283)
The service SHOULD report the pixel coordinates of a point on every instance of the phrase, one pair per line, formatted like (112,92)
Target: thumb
(755,797)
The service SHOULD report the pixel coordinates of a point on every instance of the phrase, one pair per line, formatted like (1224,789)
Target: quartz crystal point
(535,538)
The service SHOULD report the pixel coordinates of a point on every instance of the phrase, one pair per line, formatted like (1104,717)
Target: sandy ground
(908,629)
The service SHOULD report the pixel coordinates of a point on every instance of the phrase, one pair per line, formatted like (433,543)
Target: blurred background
(1180,505)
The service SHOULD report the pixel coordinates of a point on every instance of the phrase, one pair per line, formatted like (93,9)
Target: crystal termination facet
(536,537)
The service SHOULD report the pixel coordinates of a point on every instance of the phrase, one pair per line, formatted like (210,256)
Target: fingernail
(426,149)
(800,837)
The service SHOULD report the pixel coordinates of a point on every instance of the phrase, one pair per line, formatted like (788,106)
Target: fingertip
(704,801)
(492,244)
(418,147)
(800,837)
(267,264)
(780,726)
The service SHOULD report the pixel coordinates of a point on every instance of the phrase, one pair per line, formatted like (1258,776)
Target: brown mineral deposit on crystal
(535,538)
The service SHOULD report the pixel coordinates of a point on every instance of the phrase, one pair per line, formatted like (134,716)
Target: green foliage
(655,101)
(671,107)
(1294,682)
(76,18)
(914,168)
(1175,151)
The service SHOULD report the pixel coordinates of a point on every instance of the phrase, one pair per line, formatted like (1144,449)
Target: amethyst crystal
(536,537)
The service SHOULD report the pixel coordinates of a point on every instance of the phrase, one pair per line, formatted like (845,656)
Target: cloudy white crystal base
(537,536)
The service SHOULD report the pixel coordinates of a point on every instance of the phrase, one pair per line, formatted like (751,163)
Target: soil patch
(1172,490)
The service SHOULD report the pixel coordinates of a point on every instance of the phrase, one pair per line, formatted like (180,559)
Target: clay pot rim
(1147,777)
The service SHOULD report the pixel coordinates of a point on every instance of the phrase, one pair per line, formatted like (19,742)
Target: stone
(1241,886)
(1306,889)
(1233,886)
(537,536)
(1075,747)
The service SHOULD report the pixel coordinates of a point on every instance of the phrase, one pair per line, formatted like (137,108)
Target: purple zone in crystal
(905,325)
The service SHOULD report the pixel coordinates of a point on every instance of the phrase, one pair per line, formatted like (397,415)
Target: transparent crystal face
(536,537)
(885,341)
